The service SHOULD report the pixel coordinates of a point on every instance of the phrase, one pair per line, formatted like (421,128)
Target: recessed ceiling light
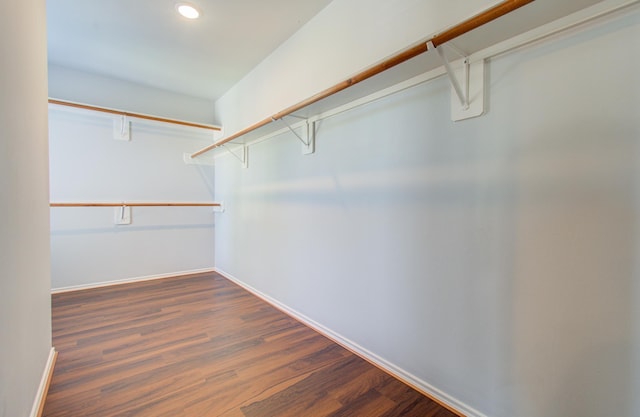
(188,11)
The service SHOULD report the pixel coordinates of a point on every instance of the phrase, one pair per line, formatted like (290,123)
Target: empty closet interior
(447,190)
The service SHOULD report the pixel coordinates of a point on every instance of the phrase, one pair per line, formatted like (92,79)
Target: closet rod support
(304,142)
(242,157)
(461,91)
(122,130)
(308,130)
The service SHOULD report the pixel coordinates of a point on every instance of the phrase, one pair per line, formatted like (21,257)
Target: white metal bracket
(122,128)
(241,153)
(220,208)
(467,85)
(122,215)
(307,134)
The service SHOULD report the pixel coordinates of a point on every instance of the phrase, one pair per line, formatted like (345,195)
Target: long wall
(494,260)
(25,306)
(89,165)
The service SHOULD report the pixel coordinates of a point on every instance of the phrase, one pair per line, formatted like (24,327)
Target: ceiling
(147,42)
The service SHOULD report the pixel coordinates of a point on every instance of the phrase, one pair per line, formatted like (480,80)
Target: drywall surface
(494,259)
(82,87)
(89,165)
(343,39)
(25,304)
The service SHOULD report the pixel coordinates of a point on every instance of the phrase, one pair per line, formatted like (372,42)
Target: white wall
(72,85)
(25,305)
(88,165)
(495,259)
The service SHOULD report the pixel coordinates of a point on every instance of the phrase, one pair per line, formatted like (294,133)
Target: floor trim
(130,280)
(445,400)
(43,388)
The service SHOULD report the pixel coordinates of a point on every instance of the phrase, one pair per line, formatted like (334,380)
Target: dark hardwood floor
(202,346)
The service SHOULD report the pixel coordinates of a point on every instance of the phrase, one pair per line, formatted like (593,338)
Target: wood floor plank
(202,346)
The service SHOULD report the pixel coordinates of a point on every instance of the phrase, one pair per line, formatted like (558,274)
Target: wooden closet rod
(485,17)
(129,114)
(131,204)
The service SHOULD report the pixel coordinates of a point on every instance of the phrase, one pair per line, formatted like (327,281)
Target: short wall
(88,165)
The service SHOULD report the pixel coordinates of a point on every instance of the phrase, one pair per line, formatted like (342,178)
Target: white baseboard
(129,280)
(43,388)
(413,381)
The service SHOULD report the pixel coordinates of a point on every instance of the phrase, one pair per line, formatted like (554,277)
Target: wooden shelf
(134,204)
(131,114)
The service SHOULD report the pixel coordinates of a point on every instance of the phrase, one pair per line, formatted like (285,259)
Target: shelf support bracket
(467,85)
(122,128)
(220,208)
(241,153)
(462,91)
(308,137)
